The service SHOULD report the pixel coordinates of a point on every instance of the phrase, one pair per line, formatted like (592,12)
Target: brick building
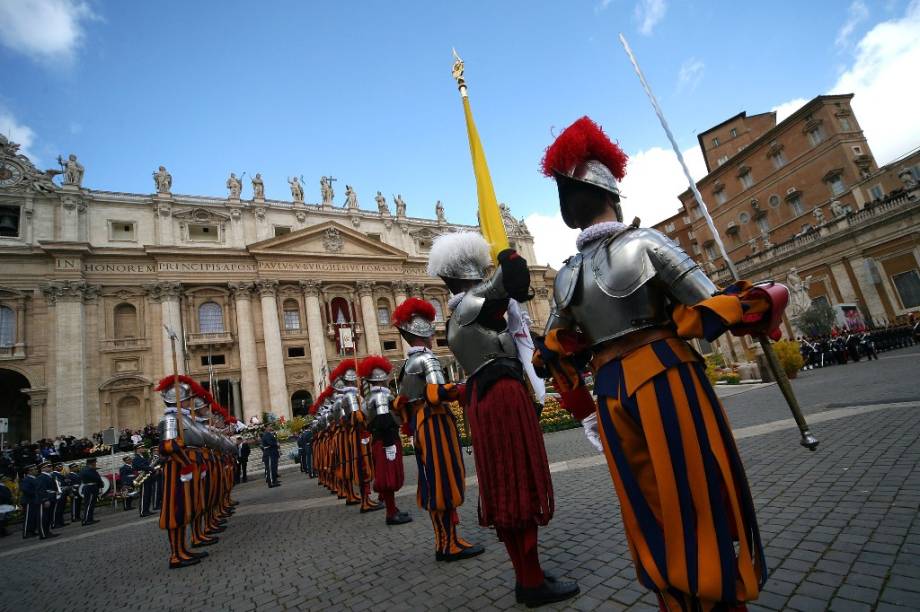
(807,194)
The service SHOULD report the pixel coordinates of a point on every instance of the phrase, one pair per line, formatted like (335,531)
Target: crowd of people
(842,346)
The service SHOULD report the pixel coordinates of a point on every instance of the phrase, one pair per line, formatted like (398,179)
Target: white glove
(365,440)
(589,424)
(391,452)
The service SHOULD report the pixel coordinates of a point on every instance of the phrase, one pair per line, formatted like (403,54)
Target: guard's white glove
(589,424)
(391,452)
(365,440)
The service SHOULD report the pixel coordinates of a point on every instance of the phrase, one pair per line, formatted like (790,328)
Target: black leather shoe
(210,532)
(208,542)
(92,522)
(547,576)
(352,503)
(146,514)
(183,563)
(466,553)
(400,518)
(547,593)
(197,555)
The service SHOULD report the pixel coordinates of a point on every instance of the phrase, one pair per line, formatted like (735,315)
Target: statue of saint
(439,212)
(258,187)
(235,186)
(382,204)
(907,177)
(325,188)
(351,198)
(819,215)
(163,180)
(296,190)
(400,206)
(73,170)
(837,209)
(799,301)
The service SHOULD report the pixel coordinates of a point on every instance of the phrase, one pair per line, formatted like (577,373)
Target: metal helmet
(415,316)
(375,369)
(169,394)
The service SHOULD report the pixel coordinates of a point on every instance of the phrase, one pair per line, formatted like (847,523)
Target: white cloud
(602,5)
(553,240)
(856,14)
(648,13)
(787,108)
(45,30)
(883,77)
(18,133)
(690,75)
(653,181)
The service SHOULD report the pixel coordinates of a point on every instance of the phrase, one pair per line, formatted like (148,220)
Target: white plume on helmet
(459,255)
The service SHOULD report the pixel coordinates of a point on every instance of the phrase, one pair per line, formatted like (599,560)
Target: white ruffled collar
(455,300)
(598,231)
(376,388)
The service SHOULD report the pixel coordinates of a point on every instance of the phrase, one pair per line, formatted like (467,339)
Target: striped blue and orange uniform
(441,472)
(176,509)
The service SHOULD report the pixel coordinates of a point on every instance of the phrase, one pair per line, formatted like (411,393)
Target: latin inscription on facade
(241,266)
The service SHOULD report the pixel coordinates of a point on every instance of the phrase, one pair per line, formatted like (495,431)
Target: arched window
(383,312)
(125,321)
(210,318)
(7,326)
(438,312)
(291,314)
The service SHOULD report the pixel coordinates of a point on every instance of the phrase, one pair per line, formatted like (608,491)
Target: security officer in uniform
(62,488)
(243,458)
(28,497)
(141,465)
(73,480)
(92,484)
(47,495)
(270,453)
(305,442)
(126,481)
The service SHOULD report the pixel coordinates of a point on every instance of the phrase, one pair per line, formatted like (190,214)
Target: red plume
(581,141)
(348,364)
(197,389)
(412,307)
(370,362)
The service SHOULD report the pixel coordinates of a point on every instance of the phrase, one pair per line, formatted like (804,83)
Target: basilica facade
(257,298)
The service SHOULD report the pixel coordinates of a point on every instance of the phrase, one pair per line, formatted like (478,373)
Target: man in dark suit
(141,465)
(270,454)
(92,484)
(28,497)
(244,450)
(44,486)
(305,442)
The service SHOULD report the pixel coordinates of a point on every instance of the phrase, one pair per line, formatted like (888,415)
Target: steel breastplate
(476,346)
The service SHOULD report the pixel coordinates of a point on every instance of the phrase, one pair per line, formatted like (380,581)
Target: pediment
(329,239)
(201,215)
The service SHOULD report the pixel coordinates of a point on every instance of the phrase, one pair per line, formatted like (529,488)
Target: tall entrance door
(14,405)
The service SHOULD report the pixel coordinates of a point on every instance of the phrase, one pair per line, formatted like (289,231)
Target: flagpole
(808,439)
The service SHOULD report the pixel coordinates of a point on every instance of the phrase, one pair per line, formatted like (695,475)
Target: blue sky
(362,90)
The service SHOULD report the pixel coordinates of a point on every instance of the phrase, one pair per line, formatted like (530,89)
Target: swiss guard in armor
(204,481)
(360,466)
(320,410)
(625,303)
(384,428)
(515,487)
(179,497)
(423,397)
(345,398)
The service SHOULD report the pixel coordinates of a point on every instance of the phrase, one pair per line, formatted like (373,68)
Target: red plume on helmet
(580,142)
(339,371)
(369,363)
(197,389)
(413,307)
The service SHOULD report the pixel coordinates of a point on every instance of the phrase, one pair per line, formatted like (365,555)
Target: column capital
(69,291)
(542,292)
(415,289)
(267,287)
(241,291)
(400,287)
(164,291)
(365,288)
(310,288)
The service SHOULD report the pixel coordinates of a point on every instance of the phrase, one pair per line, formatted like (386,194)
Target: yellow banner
(490,217)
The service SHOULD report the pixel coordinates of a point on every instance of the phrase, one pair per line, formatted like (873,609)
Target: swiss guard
(179,498)
(625,305)
(386,444)
(515,487)
(423,397)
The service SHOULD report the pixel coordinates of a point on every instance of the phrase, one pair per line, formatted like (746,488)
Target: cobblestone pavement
(840,525)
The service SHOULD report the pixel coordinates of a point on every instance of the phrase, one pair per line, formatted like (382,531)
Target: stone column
(167,294)
(315,332)
(72,205)
(235,390)
(274,360)
(369,314)
(249,366)
(66,299)
(400,290)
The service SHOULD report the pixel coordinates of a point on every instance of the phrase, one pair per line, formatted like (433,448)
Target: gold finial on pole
(457,73)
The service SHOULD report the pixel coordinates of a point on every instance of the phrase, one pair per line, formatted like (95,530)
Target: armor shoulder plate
(685,281)
(468,309)
(168,427)
(621,265)
(567,281)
